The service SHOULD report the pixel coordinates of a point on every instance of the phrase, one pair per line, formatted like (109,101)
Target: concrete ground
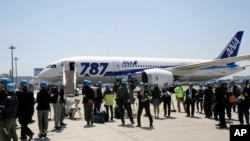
(177,128)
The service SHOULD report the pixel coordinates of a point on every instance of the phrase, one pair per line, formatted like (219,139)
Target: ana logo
(232,46)
(129,62)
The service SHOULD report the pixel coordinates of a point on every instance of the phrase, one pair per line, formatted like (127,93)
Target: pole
(16,67)
(12,78)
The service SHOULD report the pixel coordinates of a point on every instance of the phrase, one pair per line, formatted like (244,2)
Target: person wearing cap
(166,99)
(220,100)
(156,95)
(31,88)
(25,109)
(117,84)
(88,101)
(231,99)
(98,98)
(132,85)
(57,100)
(63,107)
(10,102)
(179,96)
(143,98)
(190,99)
(108,97)
(43,107)
(233,92)
(124,101)
(243,102)
(199,98)
(208,99)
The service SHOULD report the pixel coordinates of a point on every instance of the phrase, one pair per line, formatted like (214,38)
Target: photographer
(8,114)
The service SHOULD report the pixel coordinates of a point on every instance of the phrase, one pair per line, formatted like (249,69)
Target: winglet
(232,48)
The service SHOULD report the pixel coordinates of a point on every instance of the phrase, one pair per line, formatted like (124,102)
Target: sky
(47,30)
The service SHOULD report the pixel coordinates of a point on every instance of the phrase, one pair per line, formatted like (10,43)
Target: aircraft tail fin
(232,48)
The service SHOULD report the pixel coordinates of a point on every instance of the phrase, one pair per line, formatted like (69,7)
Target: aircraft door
(72,66)
(69,77)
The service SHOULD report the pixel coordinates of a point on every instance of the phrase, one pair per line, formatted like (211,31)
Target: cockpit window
(51,66)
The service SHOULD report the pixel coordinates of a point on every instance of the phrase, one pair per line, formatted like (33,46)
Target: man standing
(199,98)
(88,101)
(143,98)
(63,108)
(99,97)
(179,96)
(220,100)
(190,99)
(243,102)
(57,99)
(25,109)
(166,99)
(208,99)
(124,101)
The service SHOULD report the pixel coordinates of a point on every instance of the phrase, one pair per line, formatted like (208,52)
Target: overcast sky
(46,30)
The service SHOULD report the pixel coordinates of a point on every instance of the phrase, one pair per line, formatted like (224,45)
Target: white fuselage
(107,69)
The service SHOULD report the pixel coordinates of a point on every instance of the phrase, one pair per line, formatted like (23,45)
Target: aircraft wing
(181,70)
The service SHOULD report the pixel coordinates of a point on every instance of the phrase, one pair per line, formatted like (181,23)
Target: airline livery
(149,70)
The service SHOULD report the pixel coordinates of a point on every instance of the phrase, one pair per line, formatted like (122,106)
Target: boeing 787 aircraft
(150,70)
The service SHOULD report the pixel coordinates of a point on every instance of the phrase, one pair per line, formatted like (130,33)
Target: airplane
(149,70)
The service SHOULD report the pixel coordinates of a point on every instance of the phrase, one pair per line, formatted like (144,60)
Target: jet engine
(160,76)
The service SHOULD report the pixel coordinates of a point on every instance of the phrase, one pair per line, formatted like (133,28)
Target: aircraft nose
(43,75)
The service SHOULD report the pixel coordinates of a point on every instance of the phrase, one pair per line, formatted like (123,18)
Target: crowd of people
(215,99)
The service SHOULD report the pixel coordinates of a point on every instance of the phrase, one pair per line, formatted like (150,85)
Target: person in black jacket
(166,99)
(57,99)
(199,98)
(190,99)
(220,100)
(143,98)
(208,99)
(235,92)
(43,107)
(88,101)
(156,95)
(10,102)
(25,109)
(243,102)
(99,97)
(124,101)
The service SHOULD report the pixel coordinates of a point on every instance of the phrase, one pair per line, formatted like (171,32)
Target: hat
(10,87)
(4,81)
(24,83)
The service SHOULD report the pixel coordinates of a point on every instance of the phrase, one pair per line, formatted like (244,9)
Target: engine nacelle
(160,76)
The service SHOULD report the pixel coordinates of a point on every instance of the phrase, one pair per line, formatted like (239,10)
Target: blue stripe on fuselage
(221,67)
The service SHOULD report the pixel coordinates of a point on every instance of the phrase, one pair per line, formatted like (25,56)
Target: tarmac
(177,127)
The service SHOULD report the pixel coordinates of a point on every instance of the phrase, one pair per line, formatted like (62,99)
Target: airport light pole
(16,67)
(12,48)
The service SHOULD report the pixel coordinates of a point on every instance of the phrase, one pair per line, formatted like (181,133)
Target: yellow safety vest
(179,92)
